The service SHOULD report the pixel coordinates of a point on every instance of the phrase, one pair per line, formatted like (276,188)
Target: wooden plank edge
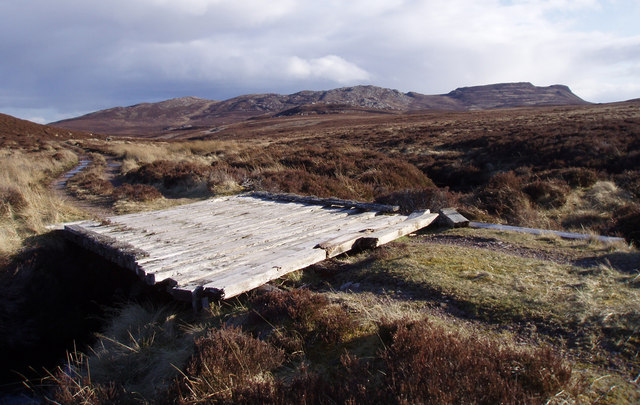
(60,226)
(325,201)
(120,253)
(225,288)
(341,244)
(228,287)
(345,242)
(415,222)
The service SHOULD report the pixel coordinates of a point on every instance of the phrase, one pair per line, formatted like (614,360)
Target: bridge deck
(225,246)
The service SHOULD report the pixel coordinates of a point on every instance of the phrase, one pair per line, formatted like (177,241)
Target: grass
(536,319)
(143,348)
(27,204)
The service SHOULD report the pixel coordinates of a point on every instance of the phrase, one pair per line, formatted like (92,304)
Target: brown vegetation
(136,192)
(531,167)
(401,361)
(571,167)
(25,135)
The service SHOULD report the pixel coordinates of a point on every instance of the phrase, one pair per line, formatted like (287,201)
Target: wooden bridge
(225,246)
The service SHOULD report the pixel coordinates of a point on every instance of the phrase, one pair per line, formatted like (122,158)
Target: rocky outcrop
(154,118)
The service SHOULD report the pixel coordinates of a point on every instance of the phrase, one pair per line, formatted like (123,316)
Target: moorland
(443,316)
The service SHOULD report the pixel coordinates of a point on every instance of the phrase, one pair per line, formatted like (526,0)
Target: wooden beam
(253,277)
(416,221)
(121,253)
(326,201)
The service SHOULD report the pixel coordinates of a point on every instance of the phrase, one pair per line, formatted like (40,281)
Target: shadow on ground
(54,297)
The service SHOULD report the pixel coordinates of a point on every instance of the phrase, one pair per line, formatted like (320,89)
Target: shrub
(171,175)
(627,223)
(503,197)
(308,314)
(93,183)
(351,173)
(547,194)
(428,364)
(136,192)
(457,176)
(299,181)
(394,174)
(432,198)
(225,179)
(630,181)
(579,176)
(228,361)
(419,363)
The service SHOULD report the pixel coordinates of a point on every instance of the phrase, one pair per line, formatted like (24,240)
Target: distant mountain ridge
(187,112)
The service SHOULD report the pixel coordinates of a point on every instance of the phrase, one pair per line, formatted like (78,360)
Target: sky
(65,58)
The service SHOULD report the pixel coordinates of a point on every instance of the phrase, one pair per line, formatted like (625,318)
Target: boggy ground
(543,317)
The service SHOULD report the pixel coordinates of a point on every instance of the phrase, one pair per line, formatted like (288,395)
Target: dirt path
(59,187)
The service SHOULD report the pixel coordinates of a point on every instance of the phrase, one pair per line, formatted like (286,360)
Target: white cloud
(240,12)
(330,67)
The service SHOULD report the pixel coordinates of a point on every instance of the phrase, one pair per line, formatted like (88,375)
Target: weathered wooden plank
(344,240)
(237,243)
(274,257)
(233,257)
(416,221)
(175,232)
(256,276)
(249,232)
(249,240)
(451,218)
(229,264)
(220,209)
(238,223)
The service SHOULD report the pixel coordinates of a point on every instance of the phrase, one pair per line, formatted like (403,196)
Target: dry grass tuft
(135,155)
(136,359)
(606,196)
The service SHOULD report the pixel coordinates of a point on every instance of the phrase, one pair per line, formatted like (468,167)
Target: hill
(192,112)
(17,132)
